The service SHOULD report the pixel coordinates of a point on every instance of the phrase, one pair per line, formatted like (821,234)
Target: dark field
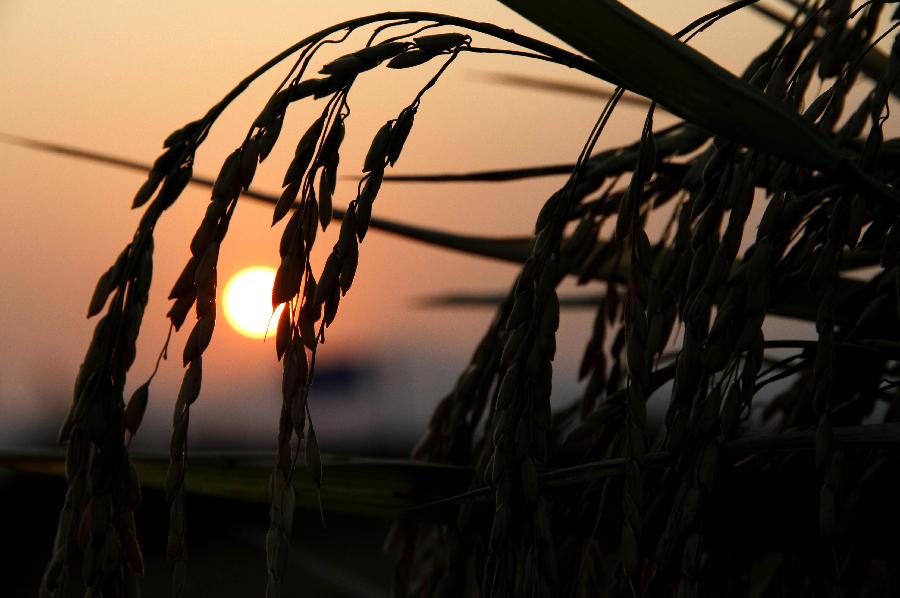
(227,546)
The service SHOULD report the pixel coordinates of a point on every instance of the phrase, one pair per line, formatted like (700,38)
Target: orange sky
(117,77)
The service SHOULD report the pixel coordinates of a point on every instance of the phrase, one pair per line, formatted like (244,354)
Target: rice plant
(590,499)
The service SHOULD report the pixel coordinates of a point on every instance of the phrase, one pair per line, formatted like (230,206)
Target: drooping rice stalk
(827,177)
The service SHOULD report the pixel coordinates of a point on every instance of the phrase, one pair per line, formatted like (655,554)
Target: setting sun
(248,301)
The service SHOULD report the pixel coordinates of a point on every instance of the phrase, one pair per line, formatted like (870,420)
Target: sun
(248,302)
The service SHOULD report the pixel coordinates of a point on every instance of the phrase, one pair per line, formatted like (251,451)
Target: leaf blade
(651,63)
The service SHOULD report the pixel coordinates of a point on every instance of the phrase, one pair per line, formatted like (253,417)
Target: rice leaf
(560,87)
(649,62)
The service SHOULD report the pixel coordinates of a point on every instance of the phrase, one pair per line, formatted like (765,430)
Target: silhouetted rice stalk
(593,499)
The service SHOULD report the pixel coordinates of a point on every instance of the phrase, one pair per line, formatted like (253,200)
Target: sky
(117,77)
